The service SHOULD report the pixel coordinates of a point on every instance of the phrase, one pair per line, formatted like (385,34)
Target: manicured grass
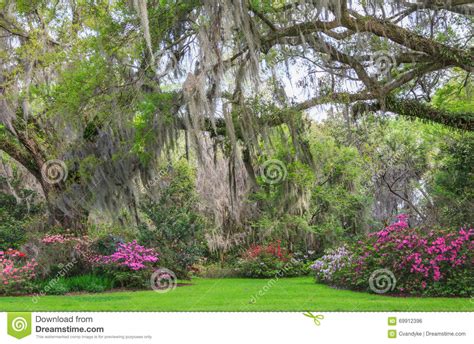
(235,294)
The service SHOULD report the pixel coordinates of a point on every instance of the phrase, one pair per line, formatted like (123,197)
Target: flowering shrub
(16,271)
(58,238)
(13,253)
(129,266)
(328,268)
(429,262)
(264,261)
(64,257)
(57,251)
(130,255)
(272,249)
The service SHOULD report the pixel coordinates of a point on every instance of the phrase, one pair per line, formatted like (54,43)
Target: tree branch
(416,109)
(443,54)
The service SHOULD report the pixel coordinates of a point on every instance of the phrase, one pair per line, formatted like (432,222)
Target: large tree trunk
(70,216)
(75,221)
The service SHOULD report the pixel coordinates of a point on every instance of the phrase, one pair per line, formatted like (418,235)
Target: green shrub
(217,271)
(56,286)
(177,230)
(269,267)
(13,219)
(126,278)
(266,261)
(261,267)
(63,285)
(106,244)
(12,233)
(459,283)
(89,283)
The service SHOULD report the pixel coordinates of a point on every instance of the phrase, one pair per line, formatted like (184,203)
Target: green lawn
(235,294)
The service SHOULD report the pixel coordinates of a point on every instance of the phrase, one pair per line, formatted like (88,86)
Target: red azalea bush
(266,261)
(429,262)
(16,271)
(273,249)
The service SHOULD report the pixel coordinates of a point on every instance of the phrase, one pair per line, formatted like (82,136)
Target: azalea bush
(55,252)
(130,255)
(423,261)
(16,272)
(331,267)
(267,261)
(129,266)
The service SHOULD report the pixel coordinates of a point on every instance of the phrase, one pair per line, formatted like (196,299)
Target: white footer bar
(227,327)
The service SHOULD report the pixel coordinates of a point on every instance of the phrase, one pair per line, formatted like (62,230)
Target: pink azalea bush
(130,266)
(130,255)
(429,262)
(16,271)
(56,238)
(58,250)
